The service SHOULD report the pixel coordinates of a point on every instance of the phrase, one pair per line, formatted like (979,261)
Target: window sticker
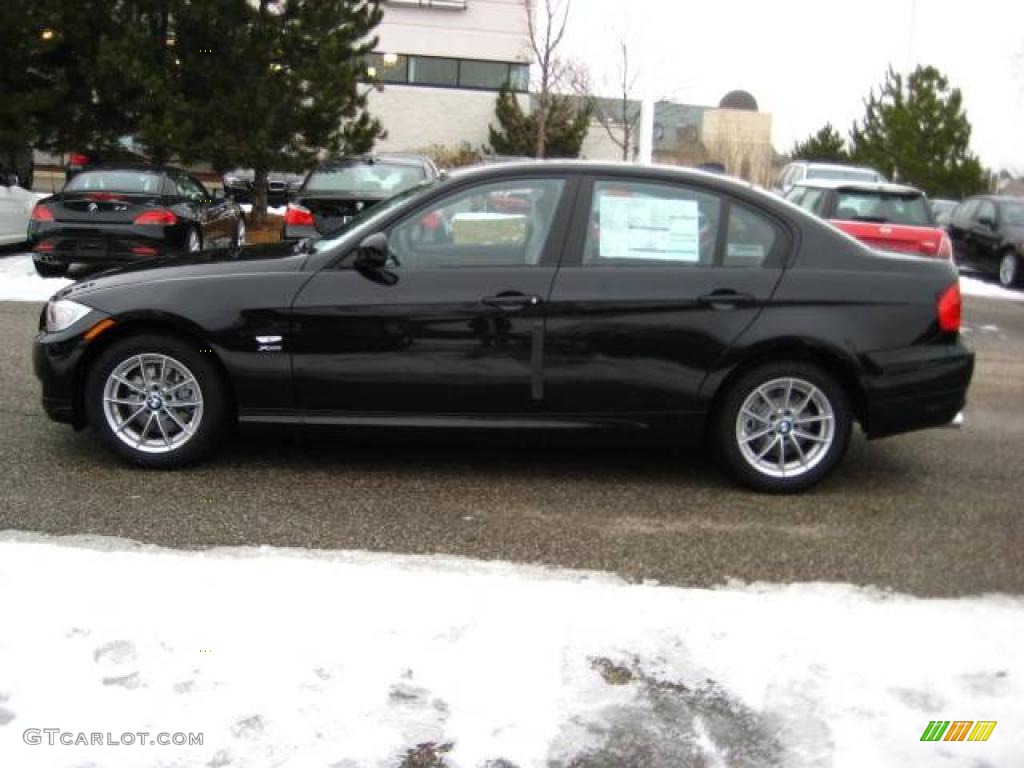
(650,228)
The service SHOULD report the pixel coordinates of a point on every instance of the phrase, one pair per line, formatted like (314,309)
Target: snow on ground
(19,281)
(300,658)
(977,286)
(274,210)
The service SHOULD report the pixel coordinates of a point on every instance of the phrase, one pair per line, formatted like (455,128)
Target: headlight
(62,314)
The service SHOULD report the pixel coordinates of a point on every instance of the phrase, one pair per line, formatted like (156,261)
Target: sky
(812,61)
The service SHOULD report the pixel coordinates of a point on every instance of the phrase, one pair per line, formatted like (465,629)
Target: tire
(161,435)
(193,240)
(772,400)
(1009,269)
(239,240)
(50,270)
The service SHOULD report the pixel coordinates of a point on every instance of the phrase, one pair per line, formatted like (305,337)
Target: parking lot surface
(935,513)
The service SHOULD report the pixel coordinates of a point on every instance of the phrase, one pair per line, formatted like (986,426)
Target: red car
(887,217)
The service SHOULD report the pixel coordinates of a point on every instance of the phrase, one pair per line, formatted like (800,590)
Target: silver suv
(794,173)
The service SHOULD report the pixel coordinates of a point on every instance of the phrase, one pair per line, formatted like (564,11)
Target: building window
(492,75)
(431,71)
(470,74)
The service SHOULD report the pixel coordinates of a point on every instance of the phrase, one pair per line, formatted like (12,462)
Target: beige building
(442,63)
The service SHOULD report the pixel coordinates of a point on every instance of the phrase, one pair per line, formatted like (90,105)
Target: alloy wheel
(785,427)
(194,244)
(1008,269)
(153,403)
(240,236)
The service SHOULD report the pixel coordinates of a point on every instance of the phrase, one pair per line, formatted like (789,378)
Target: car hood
(274,257)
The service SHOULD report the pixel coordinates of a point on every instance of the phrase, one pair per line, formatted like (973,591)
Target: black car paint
(982,244)
(640,349)
(95,230)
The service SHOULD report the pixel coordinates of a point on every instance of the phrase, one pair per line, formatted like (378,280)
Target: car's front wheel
(240,233)
(50,270)
(783,427)
(157,401)
(1009,269)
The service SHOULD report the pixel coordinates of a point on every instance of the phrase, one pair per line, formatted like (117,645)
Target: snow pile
(273,210)
(976,286)
(294,658)
(19,281)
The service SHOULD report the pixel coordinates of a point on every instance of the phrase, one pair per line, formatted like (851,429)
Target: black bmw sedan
(124,213)
(526,296)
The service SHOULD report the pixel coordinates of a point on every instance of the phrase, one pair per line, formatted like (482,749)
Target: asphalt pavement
(936,513)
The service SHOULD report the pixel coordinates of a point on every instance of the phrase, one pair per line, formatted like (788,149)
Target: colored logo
(958,730)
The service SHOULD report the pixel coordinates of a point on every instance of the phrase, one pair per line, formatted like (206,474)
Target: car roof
(835,166)
(860,186)
(396,158)
(127,166)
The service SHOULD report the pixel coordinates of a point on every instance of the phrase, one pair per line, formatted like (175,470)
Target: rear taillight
(945,248)
(298,216)
(949,309)
(42,213)
(78,159)
(45,247)
(160,217)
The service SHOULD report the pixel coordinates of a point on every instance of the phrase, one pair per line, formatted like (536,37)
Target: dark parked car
(129,213)
(619,297)
(942,210)
(17,168)
(238,185)
(988,234)
(337,190)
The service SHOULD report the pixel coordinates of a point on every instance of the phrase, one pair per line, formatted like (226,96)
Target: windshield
(369,216)
(883,208)
(365,179)
(143,182)
(1013,214)
(842,174)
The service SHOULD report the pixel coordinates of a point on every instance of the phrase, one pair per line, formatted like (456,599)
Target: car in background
(988,235)
(97,158)
(770,337)
(337,190)
(125,213)
(238,185)
(794,173)
(942,210)
(887,217)
(16,206)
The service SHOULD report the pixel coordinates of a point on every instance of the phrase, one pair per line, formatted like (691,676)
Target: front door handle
(511,301)
(726,299)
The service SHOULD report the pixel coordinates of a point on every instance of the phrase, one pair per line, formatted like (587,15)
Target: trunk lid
(332,212)
(898,238)
(101,207)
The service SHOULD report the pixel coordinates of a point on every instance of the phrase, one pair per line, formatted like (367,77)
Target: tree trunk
(259,197)
(542,126)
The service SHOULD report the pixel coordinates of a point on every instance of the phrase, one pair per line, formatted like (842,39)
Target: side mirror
(372,253)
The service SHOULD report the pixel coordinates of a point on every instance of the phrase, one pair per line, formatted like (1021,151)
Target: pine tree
(567,124)
(284,87)
(916,131)
(824,146)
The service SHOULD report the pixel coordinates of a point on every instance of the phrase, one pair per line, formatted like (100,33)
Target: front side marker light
(103,325)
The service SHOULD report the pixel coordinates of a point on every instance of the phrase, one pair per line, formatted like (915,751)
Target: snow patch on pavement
(976,286)
(273,210)
(20,282)
(301,658)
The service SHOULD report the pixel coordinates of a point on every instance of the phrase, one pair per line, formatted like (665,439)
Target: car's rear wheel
(50,270)
(1009,269)
(157,401)
(784,426)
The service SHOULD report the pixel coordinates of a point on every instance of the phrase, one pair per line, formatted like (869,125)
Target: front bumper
(57,362)
(916,388)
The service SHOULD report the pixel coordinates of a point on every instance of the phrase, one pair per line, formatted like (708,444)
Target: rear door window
(639,223)
(752,238)
(883,208)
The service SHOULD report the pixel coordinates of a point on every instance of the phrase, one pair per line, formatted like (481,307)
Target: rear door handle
(511,301)
(726,299)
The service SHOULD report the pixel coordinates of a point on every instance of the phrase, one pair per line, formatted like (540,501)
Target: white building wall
(494,30)
(417,117)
